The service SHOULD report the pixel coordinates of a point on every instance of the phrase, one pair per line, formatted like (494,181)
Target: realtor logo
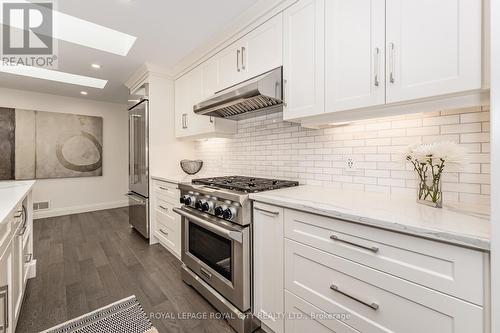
(27,33)
(27,28)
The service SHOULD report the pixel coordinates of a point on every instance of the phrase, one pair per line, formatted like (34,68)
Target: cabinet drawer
(164,206)
(167,219)
(168,233)
(305,317)
(446,268)
(167,191)
(374,301)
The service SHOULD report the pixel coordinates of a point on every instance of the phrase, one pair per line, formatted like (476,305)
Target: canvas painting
(49,145)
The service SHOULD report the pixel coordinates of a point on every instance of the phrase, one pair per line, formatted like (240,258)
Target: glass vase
(429,191)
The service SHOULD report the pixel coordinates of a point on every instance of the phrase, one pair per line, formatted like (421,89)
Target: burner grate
(245,184)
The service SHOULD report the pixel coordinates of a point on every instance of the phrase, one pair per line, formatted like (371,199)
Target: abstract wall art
(38,145)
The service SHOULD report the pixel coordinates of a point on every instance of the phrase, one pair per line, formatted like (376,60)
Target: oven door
(219,253)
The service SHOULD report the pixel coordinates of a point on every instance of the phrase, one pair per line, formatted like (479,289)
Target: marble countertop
(458,224)
(11,192)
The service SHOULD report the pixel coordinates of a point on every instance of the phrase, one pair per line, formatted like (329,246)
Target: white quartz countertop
(11,192)
(463,225)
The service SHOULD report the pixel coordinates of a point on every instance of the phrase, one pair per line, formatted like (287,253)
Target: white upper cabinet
(355,54)
(257,52)
(304,59)
(433,48)
(209,78)
(190,89)
(230,67)
(262,48)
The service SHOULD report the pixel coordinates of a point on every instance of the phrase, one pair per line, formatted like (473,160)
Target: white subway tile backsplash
(269,147)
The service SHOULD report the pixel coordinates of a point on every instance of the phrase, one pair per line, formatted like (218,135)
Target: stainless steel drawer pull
(374,249)
(164,232)
(4,296)
(164,208)
(163,188)
(28,257)
(372,305)
(267,211)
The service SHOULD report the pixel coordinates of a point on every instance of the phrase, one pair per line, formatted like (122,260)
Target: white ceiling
(166,31)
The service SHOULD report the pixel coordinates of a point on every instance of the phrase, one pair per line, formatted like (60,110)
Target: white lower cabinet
(268,265)
(372,300)
(5,290)
(319,274)
(15,267)
(165,224)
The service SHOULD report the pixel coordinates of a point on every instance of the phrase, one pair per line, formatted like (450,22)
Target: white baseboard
(79,209)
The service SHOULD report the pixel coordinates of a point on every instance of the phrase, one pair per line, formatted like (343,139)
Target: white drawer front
(304,317)
(446,268)
(375,301)
(168,233)
(167,191)
(165,207)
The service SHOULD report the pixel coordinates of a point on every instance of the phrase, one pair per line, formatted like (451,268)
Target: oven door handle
(234,235)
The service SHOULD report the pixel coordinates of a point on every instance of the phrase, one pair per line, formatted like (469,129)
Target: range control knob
(229,213)
(198,204)
(186,199)
(218,211)
(206,206)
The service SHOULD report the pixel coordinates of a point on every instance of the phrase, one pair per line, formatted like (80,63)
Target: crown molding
(144,72)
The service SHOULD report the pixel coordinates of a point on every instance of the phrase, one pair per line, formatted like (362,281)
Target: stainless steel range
(217,242)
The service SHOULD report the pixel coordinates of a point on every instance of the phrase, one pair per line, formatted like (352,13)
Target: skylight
(47,74)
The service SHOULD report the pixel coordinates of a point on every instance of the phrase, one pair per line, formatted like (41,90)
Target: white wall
(72,195)
(495,160)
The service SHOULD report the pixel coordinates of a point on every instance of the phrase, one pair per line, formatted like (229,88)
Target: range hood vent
(241,101)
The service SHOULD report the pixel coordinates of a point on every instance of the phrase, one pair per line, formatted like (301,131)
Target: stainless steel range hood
(245,99)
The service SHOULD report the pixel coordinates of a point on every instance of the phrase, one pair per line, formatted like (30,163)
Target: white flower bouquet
(429,162)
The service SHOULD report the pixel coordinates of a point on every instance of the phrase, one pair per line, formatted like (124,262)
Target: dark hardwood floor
(86,261)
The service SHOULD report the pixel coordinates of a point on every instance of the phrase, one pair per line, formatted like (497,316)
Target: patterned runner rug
(125,316)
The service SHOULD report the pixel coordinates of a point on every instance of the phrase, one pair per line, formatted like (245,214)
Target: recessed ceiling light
(51,75)
(84,93)
(96,66)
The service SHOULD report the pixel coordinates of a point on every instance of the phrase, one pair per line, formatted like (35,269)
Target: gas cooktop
(245,184)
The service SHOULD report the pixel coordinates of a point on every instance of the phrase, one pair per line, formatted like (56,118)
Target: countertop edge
(471,242)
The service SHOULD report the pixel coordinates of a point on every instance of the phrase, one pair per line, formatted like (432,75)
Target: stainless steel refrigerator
(139,167)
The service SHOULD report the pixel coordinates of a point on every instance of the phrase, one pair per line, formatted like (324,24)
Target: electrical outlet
(350,164)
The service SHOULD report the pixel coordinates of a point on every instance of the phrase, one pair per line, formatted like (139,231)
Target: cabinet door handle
(374,249)
(243,50)
(376,65)
(163,188)
(164,208)
(267,211)
(4,295)
(238,52)
(184,121)
(28,257)
(372,305)
(164,232)
(391,63)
